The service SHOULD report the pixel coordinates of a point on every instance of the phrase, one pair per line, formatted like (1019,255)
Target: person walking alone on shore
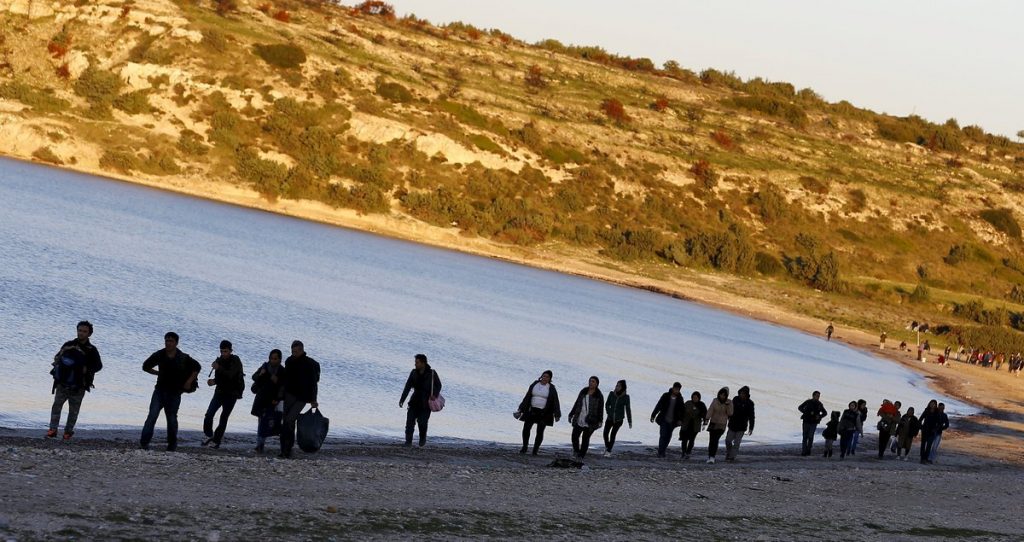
(668,414)
(176,373)
(586,416)
(229,377)
(831,433)
(881,341)
(849,424)
(742,420)
(268,385)
(425,385)
(829,331)
(617,407)
(812,411)
(300,389)
(694,414)
(906,431)
(890,418)
(717,420)
(74,369)
(539,407)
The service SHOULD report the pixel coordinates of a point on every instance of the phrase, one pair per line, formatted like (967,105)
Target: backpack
(68,371)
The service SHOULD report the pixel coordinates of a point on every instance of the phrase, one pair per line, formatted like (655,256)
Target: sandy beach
(102,486)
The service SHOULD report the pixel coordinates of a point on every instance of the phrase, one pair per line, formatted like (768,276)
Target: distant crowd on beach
(283,388)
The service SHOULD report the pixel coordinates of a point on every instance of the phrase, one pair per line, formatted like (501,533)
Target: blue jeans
(666,435)
(226,403)
(935,447)
(853,443)
(169,402)
(809,429)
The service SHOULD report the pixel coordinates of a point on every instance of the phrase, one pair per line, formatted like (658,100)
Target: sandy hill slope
(566,157)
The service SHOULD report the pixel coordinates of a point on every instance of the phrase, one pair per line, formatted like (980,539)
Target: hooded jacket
(595,408)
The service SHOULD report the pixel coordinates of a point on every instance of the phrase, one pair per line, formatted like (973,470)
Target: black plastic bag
(312,430)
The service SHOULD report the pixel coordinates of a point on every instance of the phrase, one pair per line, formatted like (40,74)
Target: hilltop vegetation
(564,149)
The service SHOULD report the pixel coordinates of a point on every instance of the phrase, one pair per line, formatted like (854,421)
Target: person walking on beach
(849,424)
(617,407)
(668,414)
(300,389)
(742,420)
(425,385)
(694,413)
(831,433)
(862,407)
(930,422)
(717,420)
(229,379)
(176,373)
(906,431)
(74,369)
(890,417)
(881,341)
(586,416)
(937,439)
(812,411)
(268,385)
(539,407)
(829,331)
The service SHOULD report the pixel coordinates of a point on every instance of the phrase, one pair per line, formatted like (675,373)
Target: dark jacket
(850,421)
(595,412)
(420,383)
(943,423)
(831,431)
(618,408)
(661,409)
(813,411)
(303,378)
(172,372)
(87,362)
(931,421)
(694,413)
(552,409)
(229,377)
(908,428)
(266,389)
(742,415)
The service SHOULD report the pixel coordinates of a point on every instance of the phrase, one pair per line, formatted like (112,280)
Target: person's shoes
(607,453)
(144,447)
(534,453)
(711,461)
(216,446)
(930,462)
(686,457)
(522,451)
(661,455)
(172,448)
(284,455)
(408,444)
(207,441)
(259,448)
(51,433)
(67,436)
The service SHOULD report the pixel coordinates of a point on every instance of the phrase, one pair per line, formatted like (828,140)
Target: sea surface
(139,262)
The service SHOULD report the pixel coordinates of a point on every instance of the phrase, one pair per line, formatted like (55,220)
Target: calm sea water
(139,262)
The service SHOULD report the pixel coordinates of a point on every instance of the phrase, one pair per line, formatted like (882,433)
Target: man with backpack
(300,388)
(229,378)
(74,367)
(176,373)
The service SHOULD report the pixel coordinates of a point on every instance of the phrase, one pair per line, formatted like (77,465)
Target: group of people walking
(283,389)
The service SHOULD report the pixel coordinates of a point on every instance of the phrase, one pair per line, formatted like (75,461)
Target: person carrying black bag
(268,385)
(74,368)
(300,389)
(424,384)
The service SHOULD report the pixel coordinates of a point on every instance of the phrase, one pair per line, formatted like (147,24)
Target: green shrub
(328,83)
(133,103)
(813,185)
(369,199)
(563,155)
(706,176)
(44,154)
(265,175)
(161,161)
(770,203)
(39,101)
(394,92)
(281,55)
(998,338)
(958,254)
(1003,221)
(774,107)
(767,264)
(191,143)
(921,294)
(120,161)
(98,86)
(215,39)
(729,251)
(817,270)
(1016,294)
(630,245)
(858,200)
(485,143)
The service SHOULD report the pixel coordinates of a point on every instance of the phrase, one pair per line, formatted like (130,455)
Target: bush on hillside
(534,78)
(723,140)
(1002,220)
(706,176)
(1016,294)
(133,103)
(394,92)
(921,294)
(120,161)
(98,86)
(767,264)
(614,110)
(45,154)
(813,185)
(281,55)
(774,107)
(376,7)
(39,101)
(266,176)
(771,204)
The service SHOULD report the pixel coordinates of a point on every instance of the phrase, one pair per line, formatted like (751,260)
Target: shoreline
(405,229)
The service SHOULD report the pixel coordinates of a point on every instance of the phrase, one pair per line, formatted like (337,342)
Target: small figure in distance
(586,416)
(829,331)
(424,384)
(618,408)
(74,368)
(812,411)
(176,373)
(668,414)
(300,389)
(229,377)
(539,407)
(268,385)
(694,413)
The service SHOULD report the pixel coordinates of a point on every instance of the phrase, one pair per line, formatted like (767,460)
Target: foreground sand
(102,487)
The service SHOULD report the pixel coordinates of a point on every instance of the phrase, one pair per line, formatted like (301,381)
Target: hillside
(565,157)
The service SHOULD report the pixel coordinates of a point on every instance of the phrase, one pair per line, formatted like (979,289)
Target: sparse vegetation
(45,154)
(281,55)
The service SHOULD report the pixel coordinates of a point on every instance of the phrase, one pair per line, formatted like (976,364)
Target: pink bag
(435,402)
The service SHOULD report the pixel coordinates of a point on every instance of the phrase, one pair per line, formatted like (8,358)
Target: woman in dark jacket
(694,412)
(586,416)
(424,385)
(618,409)
(849,425)
(539,406)
(929,426)
(268,385)
(905,432)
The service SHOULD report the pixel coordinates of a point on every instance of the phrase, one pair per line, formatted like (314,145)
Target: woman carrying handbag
(426,396)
